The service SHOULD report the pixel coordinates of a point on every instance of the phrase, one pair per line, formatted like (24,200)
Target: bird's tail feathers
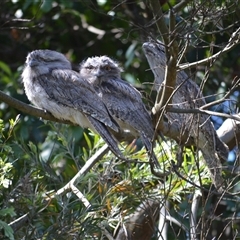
(107,136)
(154,164)
(114,125)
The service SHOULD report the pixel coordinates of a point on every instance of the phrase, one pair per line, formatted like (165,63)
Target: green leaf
(46,6)
(7,211)
(88,140)
(8,231)
(130,54)
(33,147)
(58,157)
(26,4)
(5,68)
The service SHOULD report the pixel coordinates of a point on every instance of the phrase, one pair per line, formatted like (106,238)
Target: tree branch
(201,111)
(229,132)
(179,6)
(159,20)
(171,53)
(233,41)
(28,109)
(193,215)
(88,165)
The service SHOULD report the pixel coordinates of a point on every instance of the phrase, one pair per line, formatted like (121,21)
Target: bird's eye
(89,67)
(108,68)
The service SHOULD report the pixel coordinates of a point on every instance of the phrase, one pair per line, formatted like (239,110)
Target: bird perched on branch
(51,84)
(123,101)
(188,96)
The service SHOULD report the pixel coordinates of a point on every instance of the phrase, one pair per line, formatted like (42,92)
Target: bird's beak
(98,73)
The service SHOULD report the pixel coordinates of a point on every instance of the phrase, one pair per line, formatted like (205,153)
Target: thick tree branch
(193,216)
(162,225)
(28,109)
(37,112)
(171,53)
(229,132)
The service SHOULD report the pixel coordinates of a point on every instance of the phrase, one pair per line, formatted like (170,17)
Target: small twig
(19,222)
(179,6)
(174,220)
(198,110)
(233,41)
(224,98)
(159,20)
(188,181)
(183,51)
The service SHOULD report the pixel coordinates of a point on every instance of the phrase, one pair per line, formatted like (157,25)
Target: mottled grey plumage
(51,84)
(189,96)
(122,100)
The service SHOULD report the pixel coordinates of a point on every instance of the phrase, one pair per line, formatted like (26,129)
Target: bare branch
(28,109)
(162,225)
(160,22)
(88,165)
(224,98)
(179,6)
(19,222)
(193,216)
(233,41)
(201,111)
(71,184)
(171,55)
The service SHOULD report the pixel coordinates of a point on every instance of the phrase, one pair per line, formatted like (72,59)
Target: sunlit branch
(85,169)
(28,109)
(233,41)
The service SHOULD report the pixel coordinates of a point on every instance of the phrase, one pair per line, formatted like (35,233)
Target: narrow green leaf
(7,211)
(8,231)
(5,68)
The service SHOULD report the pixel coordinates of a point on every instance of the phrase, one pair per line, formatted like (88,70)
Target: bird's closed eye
(89,67)
(44,59)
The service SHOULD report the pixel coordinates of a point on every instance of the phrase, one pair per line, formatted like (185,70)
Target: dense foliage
(38,158)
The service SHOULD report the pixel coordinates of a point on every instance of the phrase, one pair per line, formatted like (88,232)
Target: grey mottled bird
(122,100)
(188,96)
(51,84)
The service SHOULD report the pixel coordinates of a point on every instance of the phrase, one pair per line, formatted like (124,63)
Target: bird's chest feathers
(34,91)
(103,88)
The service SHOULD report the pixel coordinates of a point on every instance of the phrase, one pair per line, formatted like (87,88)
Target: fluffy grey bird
(122,100)
(51,84)
(189,96)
